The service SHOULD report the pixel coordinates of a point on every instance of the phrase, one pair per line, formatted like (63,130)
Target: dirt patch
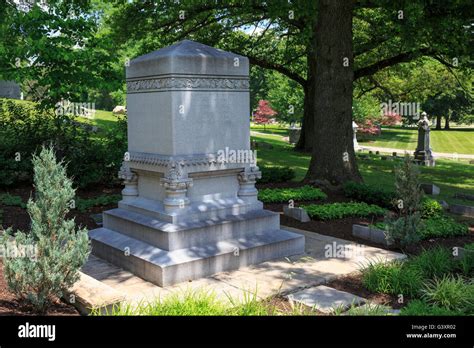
(352,283)
(11,305)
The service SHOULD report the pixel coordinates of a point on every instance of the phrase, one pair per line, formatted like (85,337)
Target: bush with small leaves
(60,248)
(278,195)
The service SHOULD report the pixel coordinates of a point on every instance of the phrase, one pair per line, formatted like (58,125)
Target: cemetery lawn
(456,140)
(451,176)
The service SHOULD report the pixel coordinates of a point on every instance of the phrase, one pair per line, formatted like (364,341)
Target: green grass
(451,176)
(458,140)
(270,129)
(200,303)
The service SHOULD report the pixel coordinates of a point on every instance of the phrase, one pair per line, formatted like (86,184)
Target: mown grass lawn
(457,140)
(451,176)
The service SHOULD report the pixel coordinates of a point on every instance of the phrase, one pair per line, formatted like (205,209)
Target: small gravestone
(394,154)
(423,152)
(464,196)
(373,234)
(471,162)
(430,189)
(377,152)
(296,213)
(10,89)
(463,210)
(189,208)
(294,134)
(354,134)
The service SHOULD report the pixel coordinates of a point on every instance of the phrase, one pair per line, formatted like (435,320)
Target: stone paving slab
(281,276)
(326,299)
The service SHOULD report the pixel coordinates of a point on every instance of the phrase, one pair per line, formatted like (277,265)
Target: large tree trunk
(333,157)
(438,122)
(305,143)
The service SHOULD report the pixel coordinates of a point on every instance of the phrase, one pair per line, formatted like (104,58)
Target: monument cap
(188,58)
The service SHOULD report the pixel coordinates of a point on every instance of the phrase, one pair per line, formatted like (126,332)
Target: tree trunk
(438,122)
(333,157)
(446,122)
(305,142)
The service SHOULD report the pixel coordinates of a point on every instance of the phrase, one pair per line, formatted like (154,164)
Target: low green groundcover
(333,211)
(279,195)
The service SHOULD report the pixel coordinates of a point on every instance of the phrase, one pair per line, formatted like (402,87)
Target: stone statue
(423,152)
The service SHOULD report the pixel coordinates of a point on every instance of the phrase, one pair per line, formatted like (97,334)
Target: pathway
(282,276)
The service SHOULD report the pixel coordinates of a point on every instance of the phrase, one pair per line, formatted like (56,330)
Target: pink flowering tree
(264,113)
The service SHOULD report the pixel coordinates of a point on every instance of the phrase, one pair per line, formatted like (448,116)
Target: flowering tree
(391,119)
(263,113)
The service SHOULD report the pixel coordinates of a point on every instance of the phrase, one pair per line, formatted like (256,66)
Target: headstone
(189,206)
(377,152)
(294,134)
(354,132)
(394,154)
(296,213)
(10,89)
(373,234)
(423,152)
(471,162)
(463,210)
(465,196)
(430,189)
(119,110)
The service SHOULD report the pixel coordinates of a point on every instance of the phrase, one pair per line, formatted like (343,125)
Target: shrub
(11,200)
(466,263)
(419,307)
(450,292)
(305,193)
(61,250)
(435,262)
(341,210)
(430,208)
(276,174)
(370,194)
(442,226)
(24,128)
(404,229)
(392,278)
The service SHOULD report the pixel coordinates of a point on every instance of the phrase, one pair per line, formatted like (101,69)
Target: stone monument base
(167,253)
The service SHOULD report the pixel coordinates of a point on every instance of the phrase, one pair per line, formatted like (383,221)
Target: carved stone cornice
(250,175)
(188,83)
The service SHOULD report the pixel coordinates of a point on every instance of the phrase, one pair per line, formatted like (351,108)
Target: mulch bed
(10,305)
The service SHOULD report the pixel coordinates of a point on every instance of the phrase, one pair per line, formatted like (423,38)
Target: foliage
(11,200)
(263,113)
(25,127)
(430,208)
(286,97)
(197,303)
(369,194)
(277,195)
(61,249)
(275,174)
(466,263)
(419,308)
(435,262)
(450,292)
(85,204)
(390,119)
(442,226)
(404,228)
(392,278)
(341,210)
